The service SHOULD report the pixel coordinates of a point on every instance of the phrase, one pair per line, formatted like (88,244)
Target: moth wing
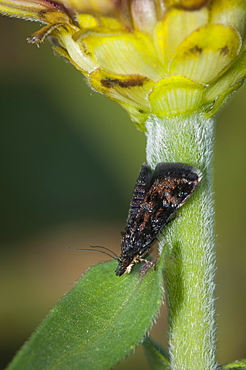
(140,190)
(170,187)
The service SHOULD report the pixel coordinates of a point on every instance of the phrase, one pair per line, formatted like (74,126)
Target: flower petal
(134,88)
(144,15)
(186,4)
(229,13)
(175,95)
(31,10)
(230,80)
(125,53)
(175,27)
(206,52)
(91,6)
(74,52)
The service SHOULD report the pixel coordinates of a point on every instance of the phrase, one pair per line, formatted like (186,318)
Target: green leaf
(240,364)
(156,355)
(97,323)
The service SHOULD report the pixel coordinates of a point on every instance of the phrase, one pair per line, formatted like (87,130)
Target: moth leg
(138,259)
(147,266)
(173,218)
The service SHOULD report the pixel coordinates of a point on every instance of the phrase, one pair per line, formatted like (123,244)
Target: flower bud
(160,57)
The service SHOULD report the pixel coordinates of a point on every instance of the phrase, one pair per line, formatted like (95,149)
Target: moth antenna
(113,255)
(107,249)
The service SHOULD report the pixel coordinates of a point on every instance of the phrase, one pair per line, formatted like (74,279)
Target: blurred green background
(69,159)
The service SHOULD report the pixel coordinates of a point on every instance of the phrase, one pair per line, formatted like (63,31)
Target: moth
(156,198)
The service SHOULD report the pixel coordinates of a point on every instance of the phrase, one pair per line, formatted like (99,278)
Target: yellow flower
(160,57)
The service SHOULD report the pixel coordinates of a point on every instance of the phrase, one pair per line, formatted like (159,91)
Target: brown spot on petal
(225,50)
(130,82)
(195,50)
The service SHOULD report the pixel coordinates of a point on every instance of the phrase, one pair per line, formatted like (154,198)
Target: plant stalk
(188,242)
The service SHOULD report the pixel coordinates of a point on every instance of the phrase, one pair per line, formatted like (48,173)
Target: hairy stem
(188,242)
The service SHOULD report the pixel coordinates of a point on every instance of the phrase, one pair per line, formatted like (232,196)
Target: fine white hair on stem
(188,241)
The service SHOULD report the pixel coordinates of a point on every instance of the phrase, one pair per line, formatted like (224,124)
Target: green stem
(189,242)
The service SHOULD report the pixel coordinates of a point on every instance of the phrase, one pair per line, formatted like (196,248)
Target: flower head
(161,57)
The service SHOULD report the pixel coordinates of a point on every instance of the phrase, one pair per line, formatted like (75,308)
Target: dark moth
(156,197)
